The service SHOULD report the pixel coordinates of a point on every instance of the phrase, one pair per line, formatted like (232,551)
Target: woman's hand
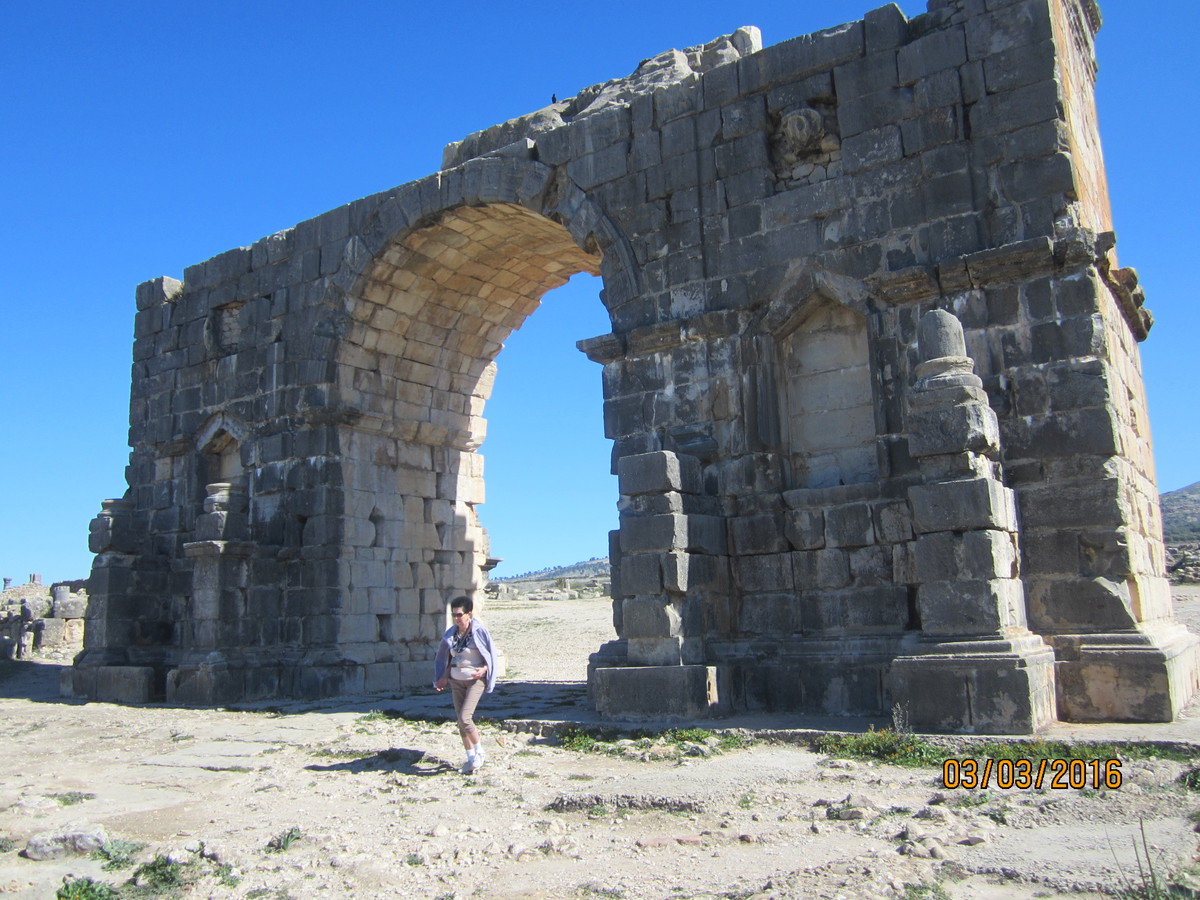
(440,684)
(481,672)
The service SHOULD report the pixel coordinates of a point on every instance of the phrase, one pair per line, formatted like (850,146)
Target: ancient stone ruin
(872,383)
(42,621)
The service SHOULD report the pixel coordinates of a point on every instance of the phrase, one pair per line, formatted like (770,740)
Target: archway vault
(433,310)
(414,370)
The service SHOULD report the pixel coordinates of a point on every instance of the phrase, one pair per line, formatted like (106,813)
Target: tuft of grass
(925,891)
(691,735)
(283,841)
(1190,779)
(343,753)
(1037,750)
(7,845)
(71,798)
(159,874)
(973,799)
(85,889)
(414,859)
(584,740)
(886,745)
(600,740)
(117,854)
(1149,885)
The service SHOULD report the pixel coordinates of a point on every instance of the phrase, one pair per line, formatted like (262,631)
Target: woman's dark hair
(466,604)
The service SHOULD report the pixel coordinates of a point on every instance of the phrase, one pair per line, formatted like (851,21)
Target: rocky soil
(335,800)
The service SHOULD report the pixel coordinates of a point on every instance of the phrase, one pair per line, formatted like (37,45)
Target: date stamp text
(1056,774)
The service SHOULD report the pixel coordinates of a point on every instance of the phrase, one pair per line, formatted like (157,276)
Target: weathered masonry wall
(872,384)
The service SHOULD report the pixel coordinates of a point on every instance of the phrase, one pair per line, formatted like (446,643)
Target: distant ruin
(872,381)
(42,621)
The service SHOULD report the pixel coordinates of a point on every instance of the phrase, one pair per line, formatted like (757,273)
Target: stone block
(962,505)
(1124,677)
(654,651)
(1064,434)
(952,429)
(1007,691)
(849,526)
(871,565)
(381,677)
(872,148)
(660,692)
(946,555)
(800,57)
(971,607)
(805,528)
(934,52)
(875,110)
(661,533)
(50,633)
(124,684)
(777,615)
(641,574)
(1029,105)
(658,471)
(596,168)
(1015,25)
(871,73)
(885,28)
(35,608)
(771,572)
(827,568)
(893,522)
(1019,66)
(649,617)
(751,535)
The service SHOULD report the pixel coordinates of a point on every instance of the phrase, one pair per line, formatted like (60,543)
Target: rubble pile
(36,620)
(1183,563)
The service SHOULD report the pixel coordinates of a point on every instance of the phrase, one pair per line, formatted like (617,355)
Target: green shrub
(284,840)
(85,889)
(117,854)
(886,745)
(160,874)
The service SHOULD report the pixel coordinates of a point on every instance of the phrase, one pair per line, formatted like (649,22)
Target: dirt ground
(382,812)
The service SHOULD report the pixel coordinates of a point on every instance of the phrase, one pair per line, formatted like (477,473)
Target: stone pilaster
(209,665)
(669,553)
(978,668)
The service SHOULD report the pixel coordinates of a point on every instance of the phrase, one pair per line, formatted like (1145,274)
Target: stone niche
(872,383)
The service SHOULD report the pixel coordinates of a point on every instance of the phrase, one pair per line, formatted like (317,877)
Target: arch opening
(412,377)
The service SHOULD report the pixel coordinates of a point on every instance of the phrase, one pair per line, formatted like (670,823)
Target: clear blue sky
(139,138)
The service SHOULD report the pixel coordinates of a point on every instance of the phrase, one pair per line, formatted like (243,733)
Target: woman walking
(466,660)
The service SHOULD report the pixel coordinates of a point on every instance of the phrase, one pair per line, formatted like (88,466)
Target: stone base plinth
(808,676)
(110,684)
(655,692)
(217,681)
(1144,676)
(977,687)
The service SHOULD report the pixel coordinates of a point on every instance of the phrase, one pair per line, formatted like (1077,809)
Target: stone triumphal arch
(872,384)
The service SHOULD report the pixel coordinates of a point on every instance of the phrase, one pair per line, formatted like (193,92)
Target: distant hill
(1181,514)
(592,568)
